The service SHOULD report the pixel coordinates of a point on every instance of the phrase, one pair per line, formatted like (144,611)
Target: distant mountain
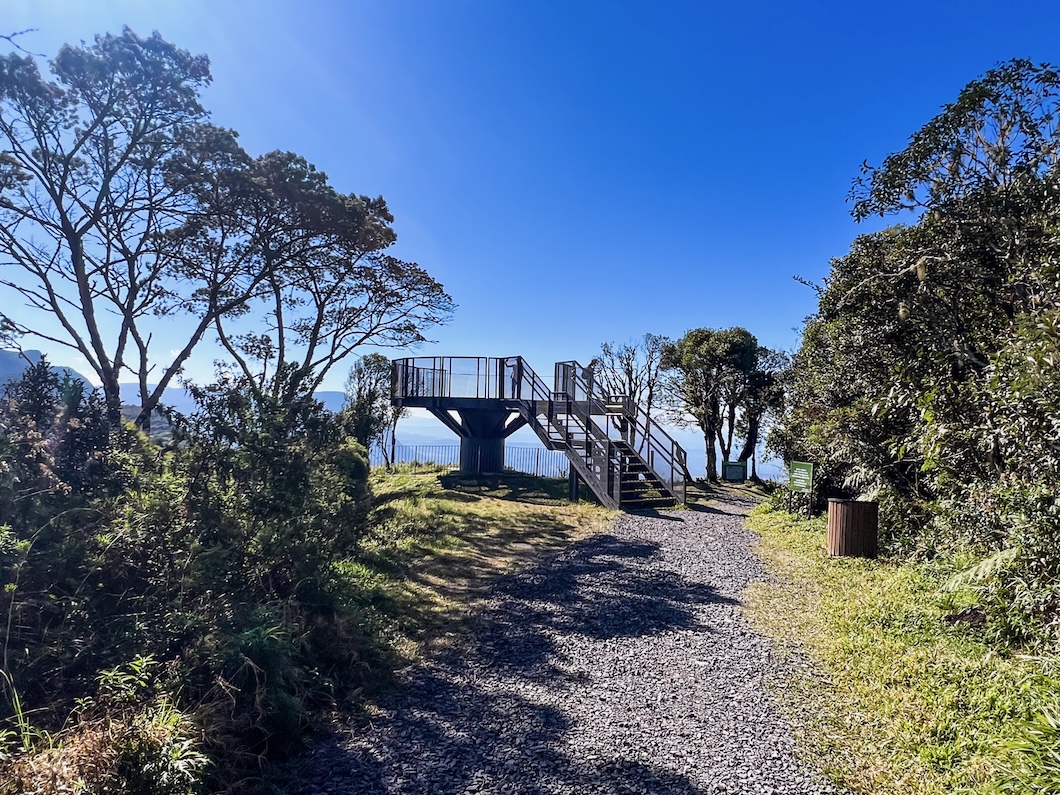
(179,399)
(14,363)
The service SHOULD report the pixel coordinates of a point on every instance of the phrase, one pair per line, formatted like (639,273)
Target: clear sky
(575,172)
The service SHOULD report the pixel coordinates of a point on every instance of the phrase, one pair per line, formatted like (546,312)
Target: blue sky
(575,172)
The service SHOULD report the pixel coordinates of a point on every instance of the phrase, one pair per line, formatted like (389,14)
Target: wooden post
(809,501)
(853,528)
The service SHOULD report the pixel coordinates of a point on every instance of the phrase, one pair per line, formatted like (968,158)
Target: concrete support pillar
(481,455)
(482,432)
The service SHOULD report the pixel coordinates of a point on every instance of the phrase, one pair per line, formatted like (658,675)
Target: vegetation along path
(621,665)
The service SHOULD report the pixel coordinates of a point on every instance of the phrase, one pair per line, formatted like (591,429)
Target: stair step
(643,484)
(570,425)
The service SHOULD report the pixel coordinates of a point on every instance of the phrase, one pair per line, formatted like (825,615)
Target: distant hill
(179,399)
(13,364)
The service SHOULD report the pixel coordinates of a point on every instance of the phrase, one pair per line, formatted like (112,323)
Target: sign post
(800,481)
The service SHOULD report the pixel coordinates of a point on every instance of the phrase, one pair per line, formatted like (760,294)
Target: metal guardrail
(526,460)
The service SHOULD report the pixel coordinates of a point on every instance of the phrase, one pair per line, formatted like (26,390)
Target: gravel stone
(621,665)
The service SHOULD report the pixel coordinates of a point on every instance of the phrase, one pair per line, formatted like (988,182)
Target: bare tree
(632,369)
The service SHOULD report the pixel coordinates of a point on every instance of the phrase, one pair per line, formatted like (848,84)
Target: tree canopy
(124,215)
(84,202)
(922,377)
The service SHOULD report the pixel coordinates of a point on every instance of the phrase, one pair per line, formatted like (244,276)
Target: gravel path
(619,666)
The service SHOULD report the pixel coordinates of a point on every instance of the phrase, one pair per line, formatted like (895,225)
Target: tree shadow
(512,486)
(486,718)
(600,589)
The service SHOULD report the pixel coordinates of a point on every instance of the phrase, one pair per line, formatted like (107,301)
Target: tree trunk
(719,435)
(751,442)
(112,396)
(393,443)
(727,449)
(143,422)
(712,457)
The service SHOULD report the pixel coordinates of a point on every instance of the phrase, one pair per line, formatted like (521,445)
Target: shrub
(213,555)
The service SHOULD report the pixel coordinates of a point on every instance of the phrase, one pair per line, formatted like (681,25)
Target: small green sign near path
(800,478)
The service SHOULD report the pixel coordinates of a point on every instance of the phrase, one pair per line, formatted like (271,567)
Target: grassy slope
(903,701)
(437,542)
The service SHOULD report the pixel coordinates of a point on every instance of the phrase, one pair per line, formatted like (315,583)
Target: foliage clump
(213,556)
(928,377)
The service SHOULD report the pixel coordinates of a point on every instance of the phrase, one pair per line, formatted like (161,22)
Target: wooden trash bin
(853,528)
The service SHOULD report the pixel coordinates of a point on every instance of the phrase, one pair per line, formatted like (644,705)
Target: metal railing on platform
(525,460)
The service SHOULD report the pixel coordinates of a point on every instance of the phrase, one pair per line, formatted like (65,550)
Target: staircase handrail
(646,429)
(609,479)
(539,390)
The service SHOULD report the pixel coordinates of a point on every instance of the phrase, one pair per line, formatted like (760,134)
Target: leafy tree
(368,409)
(1000,134)
(84,201)
(120,206)
(738,363)
(763,397)
(926,375)
(324,285)
(709,375)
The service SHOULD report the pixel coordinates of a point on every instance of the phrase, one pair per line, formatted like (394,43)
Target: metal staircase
(622,454)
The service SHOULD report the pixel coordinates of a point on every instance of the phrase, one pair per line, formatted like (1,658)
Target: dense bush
(928,376)
(212,556)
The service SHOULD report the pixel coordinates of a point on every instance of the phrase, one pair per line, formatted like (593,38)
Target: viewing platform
(624,456)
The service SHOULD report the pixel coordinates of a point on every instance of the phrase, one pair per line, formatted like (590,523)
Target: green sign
(800,478)
(734,471)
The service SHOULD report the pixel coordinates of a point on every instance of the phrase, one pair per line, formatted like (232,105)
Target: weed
(1031,759)
(126,740)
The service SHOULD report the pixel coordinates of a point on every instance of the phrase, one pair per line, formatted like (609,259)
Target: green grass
(437,541)
(897,698)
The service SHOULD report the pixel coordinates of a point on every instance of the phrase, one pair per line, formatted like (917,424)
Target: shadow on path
(490,719)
